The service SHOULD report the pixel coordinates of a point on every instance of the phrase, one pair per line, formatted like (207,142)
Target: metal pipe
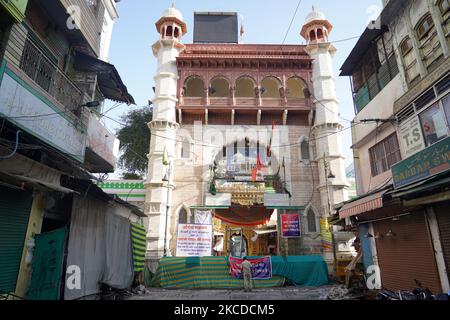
(15,147)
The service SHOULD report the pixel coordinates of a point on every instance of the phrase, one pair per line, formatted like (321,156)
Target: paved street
(284,293)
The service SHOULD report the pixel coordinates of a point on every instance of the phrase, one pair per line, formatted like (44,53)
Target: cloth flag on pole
(165,159)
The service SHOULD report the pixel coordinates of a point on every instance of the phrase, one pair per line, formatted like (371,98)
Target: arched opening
(319,34)
(295,88)
(238,245)
(245,88)
(169,31)
(304,150)
(312,35)
(195,87)
(311,221)
(219,88)
(176,33)
(270,88)
(186,149)
(182,216)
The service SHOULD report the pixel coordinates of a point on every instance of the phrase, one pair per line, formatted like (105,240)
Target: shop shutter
(15,209)
(408,255)
(443,219)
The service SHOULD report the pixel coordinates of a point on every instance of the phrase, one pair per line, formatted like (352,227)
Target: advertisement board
(290,225)
(194,240)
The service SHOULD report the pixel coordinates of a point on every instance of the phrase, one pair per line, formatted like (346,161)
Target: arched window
(430,47)
(311,221)
(319,34)
(294,88)
(409,60)
(186,149)
(219,88)
(169,31)
(312,35)
(195,87)
(245,88)
(444,8)
(182,216)
(270,88)
(177,32)
(304,150)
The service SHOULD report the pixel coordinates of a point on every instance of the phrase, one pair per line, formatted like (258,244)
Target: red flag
(269,151)
(254,174)
(259,164)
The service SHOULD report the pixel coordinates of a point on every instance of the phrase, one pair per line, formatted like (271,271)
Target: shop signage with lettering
(428,162)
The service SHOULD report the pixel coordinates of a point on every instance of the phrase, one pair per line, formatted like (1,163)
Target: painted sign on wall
(410,137)
(194,240)
(48,123)
(290,225)
(261,267)
(428,162)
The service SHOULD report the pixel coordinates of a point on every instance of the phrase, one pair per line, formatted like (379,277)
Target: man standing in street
(247,274)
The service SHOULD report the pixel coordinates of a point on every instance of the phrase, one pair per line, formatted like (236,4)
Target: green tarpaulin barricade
(213,273)
(138,238)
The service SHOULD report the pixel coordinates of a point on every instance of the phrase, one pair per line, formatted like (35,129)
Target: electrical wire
(290,24)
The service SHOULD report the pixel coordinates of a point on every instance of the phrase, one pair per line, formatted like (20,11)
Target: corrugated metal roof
(390,11)
(108,78)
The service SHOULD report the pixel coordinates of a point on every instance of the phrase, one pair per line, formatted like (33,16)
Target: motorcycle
(419,293)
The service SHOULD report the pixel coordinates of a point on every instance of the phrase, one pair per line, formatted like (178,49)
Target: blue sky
(264,21)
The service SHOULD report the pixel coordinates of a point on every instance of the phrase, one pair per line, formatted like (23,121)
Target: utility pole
(166,179)
(330,175)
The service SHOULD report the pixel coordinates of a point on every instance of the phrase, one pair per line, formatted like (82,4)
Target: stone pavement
(282,293)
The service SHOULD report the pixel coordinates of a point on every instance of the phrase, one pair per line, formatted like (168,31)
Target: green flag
(165,159)
(212,188)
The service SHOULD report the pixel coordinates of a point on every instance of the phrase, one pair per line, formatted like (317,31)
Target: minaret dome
(171,25)
(316,28)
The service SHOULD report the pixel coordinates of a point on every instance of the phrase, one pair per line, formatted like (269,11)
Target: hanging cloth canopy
(244,216)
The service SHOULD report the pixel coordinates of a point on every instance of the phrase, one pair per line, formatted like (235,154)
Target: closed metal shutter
(408,255)
(443,219)
(15,209)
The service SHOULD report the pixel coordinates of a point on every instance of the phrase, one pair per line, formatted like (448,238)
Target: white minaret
(333,183)
(163,127)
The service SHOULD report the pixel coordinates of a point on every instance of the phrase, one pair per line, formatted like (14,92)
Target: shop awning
(244,216)
(37,183)
(108,78)
(364,204)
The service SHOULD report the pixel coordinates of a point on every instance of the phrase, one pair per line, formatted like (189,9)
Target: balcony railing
(50,78)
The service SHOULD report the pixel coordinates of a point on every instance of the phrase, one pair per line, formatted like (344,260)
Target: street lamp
(330,175)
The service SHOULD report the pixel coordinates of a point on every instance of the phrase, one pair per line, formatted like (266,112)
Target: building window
(434,121)
(444,8)
(375,70)
(409,60)
(304,150)
(430,47)
(182,216)
(186,149)
(384,154)
(311,221)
